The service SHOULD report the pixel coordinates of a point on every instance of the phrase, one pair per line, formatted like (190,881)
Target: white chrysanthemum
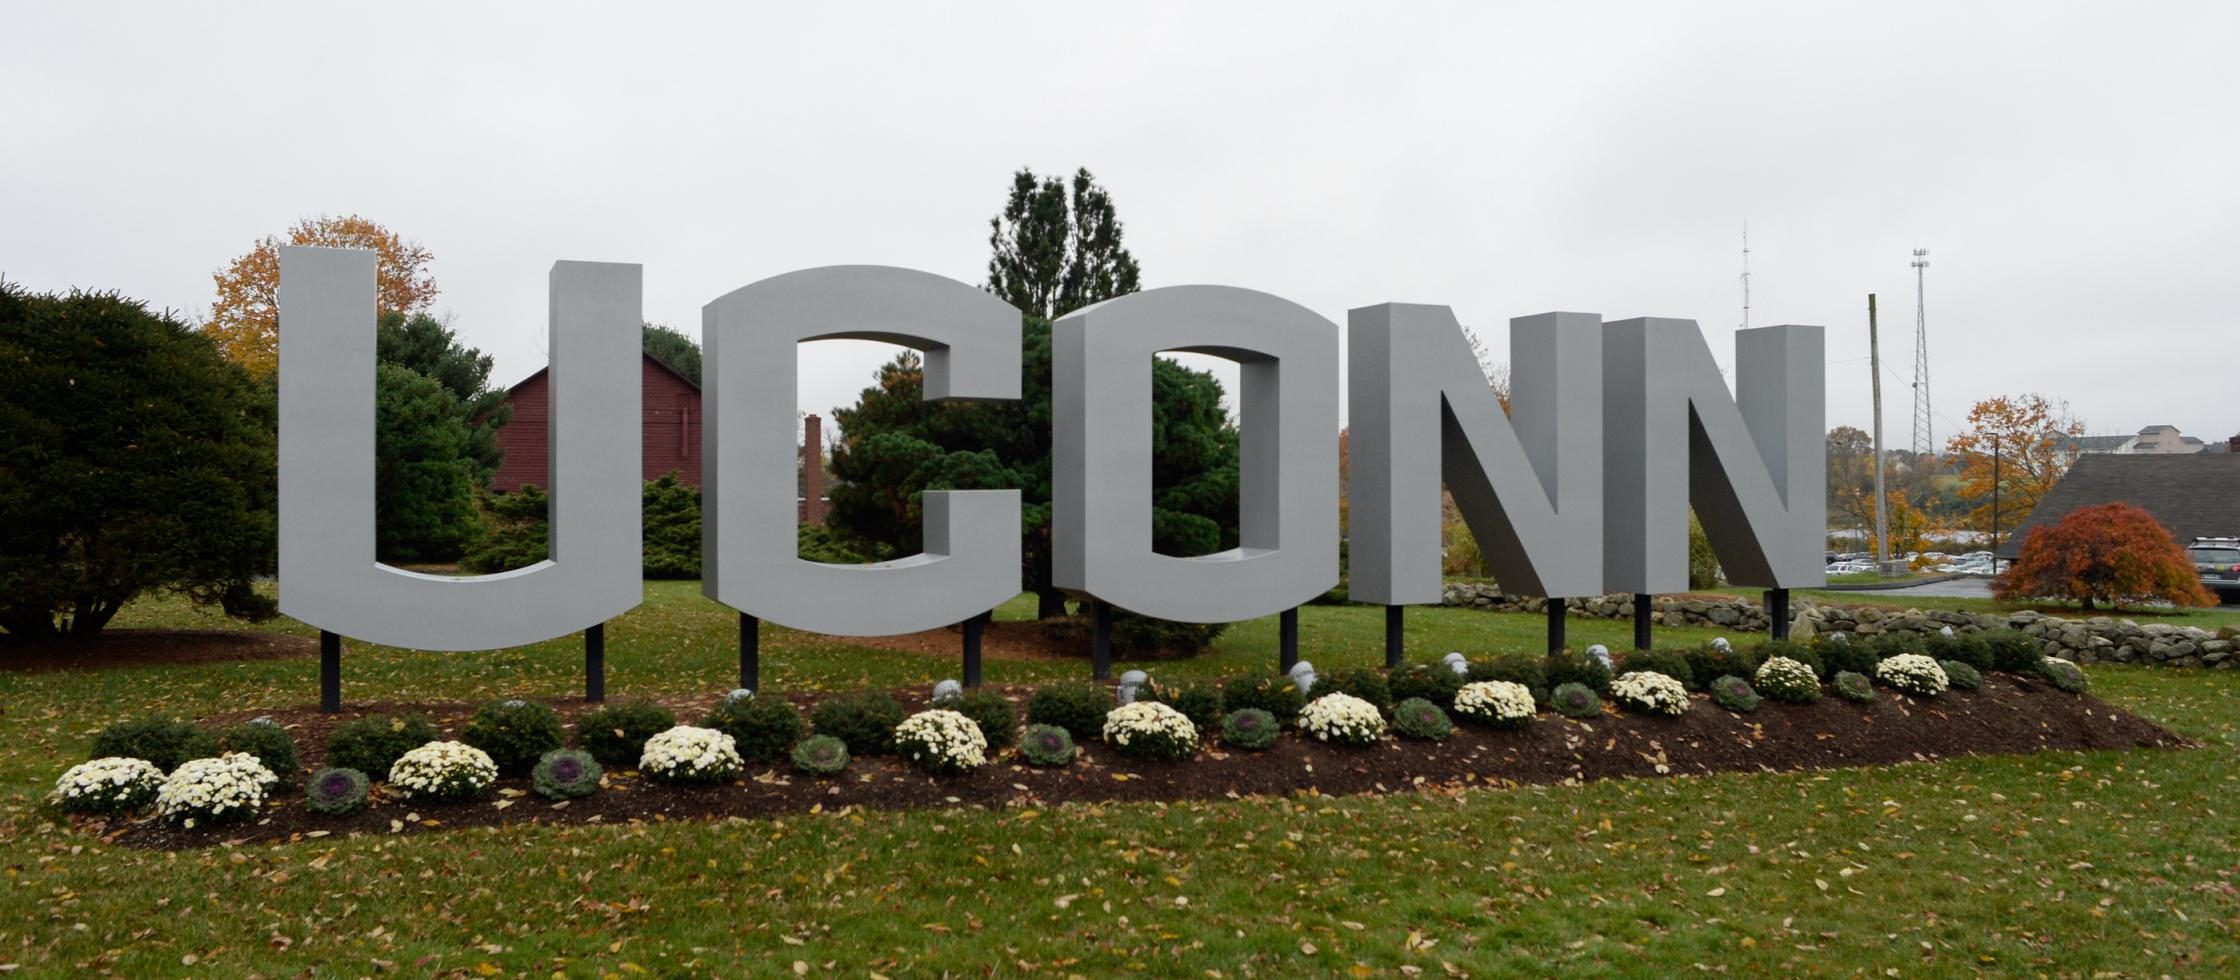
(1648,691)
(230,787)
(1150,728)
(1342,718)
(1502,703)
(1787,680)
(1913,674)
(941,740)
(108,785)
(689,754)
(443,771)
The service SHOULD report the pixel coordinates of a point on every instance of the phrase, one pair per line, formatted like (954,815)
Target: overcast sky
(2072,168)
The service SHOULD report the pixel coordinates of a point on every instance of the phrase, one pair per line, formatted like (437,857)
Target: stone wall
(2101,639)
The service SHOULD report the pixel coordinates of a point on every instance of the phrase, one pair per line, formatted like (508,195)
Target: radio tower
(1924,442)
(1746,275)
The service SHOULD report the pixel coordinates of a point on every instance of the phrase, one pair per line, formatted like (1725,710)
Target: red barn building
(671,439)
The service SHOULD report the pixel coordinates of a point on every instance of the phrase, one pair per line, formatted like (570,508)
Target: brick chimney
(812,470)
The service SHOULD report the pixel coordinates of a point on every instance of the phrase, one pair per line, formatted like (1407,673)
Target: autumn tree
(2034,440)
(2113,553)
(245,319)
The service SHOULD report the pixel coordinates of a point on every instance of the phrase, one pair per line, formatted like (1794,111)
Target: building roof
(2193,495)
(2088,444)
(657,362)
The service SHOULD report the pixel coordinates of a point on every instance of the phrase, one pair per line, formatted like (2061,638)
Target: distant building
(2160,440)
(670,440)
(2191,494)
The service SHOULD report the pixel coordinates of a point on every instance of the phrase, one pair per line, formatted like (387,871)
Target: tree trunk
(1049,603)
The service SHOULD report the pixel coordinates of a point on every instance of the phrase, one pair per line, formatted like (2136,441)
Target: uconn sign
(1618,427)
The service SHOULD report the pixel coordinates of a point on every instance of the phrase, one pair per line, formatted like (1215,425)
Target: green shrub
(1251,729)
(999,724)
(1575,700)
(1711,661)
(865,721)
(1968,648)
(763,727)
(1132,635)
(820,755)
(2063,674)
(1573,667)
(1799,652)
(1530,670)
(1896,642)
(1361,682)
(270,743)
(1046,746)
(373,743)
(2014,651)
(163,742)
(515,733)
(1671,663)
(1199,701)
(1419,718)
(1787,679)
(1078,707)
(670,528)
(1435,683)
(337,792)
(1734,694)
(1277,696)
(1962,675)
(1854,686)
(616,734)
(1855,656)
(566,774)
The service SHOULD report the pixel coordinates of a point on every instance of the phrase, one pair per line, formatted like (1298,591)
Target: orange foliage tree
(245,319)
(2034,440)
(2114,553)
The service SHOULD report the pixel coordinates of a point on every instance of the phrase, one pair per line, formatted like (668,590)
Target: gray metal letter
(1101,457)
(1754,465)
(1529,485)
(328,575)
(751,553)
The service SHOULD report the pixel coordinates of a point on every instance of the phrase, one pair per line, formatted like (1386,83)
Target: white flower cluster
(108,785)
(230,787)
(1140,719)
(1913,674)
(1503,703)
(1648,691)
(688,754)
(1342,718)
(942,740)
(1786,679)
(443,771)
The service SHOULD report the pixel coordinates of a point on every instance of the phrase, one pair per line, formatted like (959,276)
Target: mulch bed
(2008,715)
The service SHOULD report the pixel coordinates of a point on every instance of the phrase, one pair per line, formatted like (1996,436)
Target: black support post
(1287,640)
(1100,641)
(972,630)
(1395,635)
(330,672)
(1641,614)
(1777,612)
(1555,625)
(750,653)
(595,663)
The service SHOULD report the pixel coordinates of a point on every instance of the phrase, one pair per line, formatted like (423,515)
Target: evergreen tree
(671,347)
(1052,256)
(135,459)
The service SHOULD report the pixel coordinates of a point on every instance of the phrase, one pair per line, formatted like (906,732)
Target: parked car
(2218,561)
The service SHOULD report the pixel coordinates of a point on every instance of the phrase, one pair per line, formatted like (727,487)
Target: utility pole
(1924,435)
(1881,517)
(1994,502)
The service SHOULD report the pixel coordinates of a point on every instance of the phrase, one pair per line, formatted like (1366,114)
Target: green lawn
(2060,864)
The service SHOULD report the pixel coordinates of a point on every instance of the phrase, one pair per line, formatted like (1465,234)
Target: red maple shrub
(2111,553)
